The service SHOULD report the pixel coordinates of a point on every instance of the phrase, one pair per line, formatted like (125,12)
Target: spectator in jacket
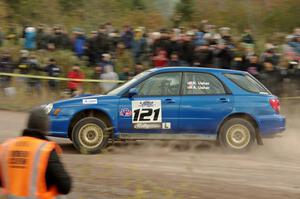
(125,74)
(30,38)
(53,70)
(253,66)
(75,86)
(108,74)
(271,78)
(175,61)
(226,36)
(34,85)
(23,64)
(161,59)
(162,42)
(295,44)
(187,48)
(203,56)
(211,35)
(139,45)
(96,75)
(198,39)
(113,40)
(106,60)
(6,66)
(91,49)
(100,44)
(222,56)
(127,37)
(12,36)
(139,68)
(174,42)
(247,37)
(41,38)
(79,43)
(270,55)
(122,58)
(61,39)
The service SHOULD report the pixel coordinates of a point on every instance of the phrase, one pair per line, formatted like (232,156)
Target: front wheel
(237,134)
(89,135)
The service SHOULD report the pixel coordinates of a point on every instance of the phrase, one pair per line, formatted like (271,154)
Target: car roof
(195,69)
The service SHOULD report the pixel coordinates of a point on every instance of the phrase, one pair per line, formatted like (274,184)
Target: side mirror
(132,92)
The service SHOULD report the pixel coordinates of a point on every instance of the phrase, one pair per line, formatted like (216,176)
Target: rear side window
(201,84)
(247,83)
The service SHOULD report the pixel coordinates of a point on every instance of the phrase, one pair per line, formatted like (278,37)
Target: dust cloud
(286,144)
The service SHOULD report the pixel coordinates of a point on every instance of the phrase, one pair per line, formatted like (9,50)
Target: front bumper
(59,126)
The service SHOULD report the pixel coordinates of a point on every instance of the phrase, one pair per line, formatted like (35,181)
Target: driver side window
(164,84)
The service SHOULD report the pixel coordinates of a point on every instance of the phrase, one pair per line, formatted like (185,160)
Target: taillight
(275,104)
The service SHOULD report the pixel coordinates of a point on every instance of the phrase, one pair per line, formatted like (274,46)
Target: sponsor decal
(193,85)
(147,126)
(166,125)
(263,93)
(125,112)
(89,101)
(146,104)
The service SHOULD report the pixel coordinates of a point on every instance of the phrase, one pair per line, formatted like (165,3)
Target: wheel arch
(89,113)
(247,117)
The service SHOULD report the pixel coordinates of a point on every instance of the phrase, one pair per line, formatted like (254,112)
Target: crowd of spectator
(119,55)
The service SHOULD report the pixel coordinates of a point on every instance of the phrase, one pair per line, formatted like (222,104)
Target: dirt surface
(182,170)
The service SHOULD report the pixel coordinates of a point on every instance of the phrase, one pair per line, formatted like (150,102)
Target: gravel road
(173,170)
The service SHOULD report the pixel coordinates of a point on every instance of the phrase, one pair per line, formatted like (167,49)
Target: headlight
(48,108)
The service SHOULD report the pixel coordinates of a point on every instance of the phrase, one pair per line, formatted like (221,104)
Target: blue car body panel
(202,114)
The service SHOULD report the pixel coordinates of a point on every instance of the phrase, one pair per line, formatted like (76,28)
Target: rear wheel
(237,134)
(89,135)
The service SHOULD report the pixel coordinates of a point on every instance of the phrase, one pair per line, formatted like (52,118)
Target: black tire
(89,135)
(237,135)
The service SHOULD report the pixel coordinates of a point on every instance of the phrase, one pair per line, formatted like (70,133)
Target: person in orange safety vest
(29,164)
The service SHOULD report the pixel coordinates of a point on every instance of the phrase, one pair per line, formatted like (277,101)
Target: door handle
(169,101)
(223,99)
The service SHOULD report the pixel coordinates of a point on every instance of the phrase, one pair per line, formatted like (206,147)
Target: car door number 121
(146,111)
(146,114)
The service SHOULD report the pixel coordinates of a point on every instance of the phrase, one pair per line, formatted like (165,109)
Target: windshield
(248,83)
(127,84)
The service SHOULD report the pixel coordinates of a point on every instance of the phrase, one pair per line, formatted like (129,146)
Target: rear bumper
(271,125)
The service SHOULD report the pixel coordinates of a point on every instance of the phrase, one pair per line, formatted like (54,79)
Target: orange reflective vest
(23,164)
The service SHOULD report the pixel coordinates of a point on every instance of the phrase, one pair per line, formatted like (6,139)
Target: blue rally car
(174,103)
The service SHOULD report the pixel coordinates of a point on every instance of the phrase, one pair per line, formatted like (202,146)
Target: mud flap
(110,132)
(259,139)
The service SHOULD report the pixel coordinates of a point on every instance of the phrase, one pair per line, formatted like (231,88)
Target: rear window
(248,83)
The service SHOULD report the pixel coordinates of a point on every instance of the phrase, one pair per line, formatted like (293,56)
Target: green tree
(138,4)
(184,9)
(67,5)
